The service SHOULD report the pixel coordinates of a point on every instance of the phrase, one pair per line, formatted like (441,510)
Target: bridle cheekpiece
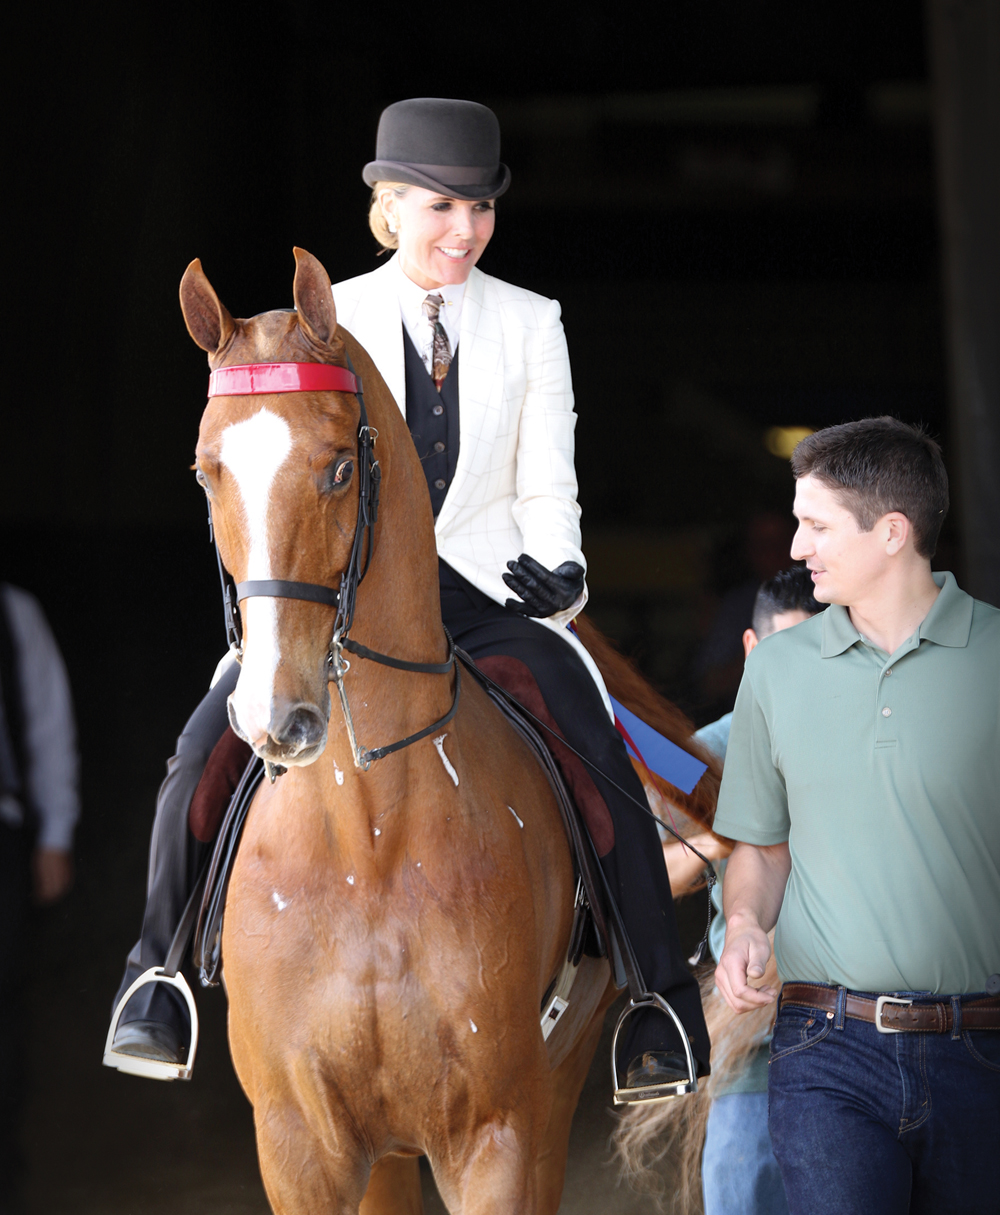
(257,379)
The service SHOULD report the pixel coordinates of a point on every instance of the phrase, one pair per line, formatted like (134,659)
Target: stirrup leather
(652,1092)
(153,1069)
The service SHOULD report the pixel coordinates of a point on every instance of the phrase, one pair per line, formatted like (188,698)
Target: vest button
(887,712)
(439,447)
(438,410)
(439,483)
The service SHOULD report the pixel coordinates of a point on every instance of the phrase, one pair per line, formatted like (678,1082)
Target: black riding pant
(634,867)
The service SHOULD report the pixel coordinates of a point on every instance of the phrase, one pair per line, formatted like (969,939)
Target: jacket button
(439,447)
(439,483)
(438,410)
(887,712)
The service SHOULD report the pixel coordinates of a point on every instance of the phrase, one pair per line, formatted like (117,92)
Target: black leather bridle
(359,562)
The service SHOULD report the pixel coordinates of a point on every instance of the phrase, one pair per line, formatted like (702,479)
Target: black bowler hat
(451,147)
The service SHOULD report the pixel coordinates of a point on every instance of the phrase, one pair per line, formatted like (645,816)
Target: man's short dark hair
(880,465)
(789,591)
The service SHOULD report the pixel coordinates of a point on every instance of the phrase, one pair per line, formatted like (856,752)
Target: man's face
(845,563)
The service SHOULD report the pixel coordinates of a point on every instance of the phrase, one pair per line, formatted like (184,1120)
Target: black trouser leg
(175,858)
(634,867)
(14,895)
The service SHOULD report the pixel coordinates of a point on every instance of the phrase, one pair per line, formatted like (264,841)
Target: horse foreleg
(305,1172)
(567,1083)
(394,1187)
(494,1174)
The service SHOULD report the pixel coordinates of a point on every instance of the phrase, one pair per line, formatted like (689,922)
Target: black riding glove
(544,592)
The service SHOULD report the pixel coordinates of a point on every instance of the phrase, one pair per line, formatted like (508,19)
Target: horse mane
(674,1131)
(627,685)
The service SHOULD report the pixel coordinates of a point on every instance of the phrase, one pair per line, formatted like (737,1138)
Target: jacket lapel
(480,390)
(376,323)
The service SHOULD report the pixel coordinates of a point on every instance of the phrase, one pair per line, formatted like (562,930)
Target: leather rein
(259,378)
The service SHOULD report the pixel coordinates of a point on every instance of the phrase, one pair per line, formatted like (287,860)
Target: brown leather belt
(895,1015)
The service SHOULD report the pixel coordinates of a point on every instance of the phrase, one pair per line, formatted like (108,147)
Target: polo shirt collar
(949,621)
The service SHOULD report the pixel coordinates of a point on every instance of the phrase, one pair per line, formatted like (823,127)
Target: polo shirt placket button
(439,483)
(439,447)
(438,410)
(887,712)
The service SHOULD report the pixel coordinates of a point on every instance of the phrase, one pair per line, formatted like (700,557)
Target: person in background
(718,666)
(39,808)
(861,786)
(739,1173)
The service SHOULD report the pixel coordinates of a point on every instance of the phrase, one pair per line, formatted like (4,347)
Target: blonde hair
(376,216)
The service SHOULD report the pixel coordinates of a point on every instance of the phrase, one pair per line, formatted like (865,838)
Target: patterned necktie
(442,347)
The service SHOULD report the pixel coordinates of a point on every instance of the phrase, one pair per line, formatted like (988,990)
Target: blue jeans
(739,1174)
(899,1124)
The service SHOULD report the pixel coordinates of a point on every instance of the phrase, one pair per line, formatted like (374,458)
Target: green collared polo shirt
(883,774)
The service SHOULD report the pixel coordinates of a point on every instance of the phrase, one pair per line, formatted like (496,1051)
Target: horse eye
(345,470)
(199,476)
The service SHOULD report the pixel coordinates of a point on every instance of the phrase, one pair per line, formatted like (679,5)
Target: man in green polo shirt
(862,782)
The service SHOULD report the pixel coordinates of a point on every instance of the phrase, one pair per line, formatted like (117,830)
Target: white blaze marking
(439,743)
(338,775)
(350,879)
(378,830)
(254,451)
(475,1027)
(514,812)
(279,902)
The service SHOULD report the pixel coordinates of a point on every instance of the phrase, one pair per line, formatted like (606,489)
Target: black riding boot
(155,1021)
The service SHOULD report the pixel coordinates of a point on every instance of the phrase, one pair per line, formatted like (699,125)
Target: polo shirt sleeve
(753,803)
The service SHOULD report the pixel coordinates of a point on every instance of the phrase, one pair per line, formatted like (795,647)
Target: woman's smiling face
(440,238)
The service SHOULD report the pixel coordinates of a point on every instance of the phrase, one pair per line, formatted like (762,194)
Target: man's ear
(750,640)
(898,531)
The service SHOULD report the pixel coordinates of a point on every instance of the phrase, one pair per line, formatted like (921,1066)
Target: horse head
(280,473)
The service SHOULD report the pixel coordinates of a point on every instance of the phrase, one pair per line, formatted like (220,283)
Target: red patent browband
(251,379)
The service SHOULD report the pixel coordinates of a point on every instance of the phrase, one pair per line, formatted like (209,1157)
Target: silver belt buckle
(880,1003)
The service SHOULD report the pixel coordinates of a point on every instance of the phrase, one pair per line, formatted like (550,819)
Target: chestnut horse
(390,932)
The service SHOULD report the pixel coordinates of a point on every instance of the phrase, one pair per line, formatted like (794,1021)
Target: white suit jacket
(514,489)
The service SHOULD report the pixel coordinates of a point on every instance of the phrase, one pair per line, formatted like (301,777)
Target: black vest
(432,417)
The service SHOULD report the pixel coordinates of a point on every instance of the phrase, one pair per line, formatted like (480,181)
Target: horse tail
(627,685)
(674,1131)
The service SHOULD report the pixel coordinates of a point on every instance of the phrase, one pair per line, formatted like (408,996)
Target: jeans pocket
(984,1047)
(797,1029)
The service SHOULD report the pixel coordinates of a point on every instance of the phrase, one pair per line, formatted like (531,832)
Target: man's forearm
(754,885)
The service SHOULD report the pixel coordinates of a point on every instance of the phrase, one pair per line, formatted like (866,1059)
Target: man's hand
(52,871)
(543,592)
(744,958)
(752,893)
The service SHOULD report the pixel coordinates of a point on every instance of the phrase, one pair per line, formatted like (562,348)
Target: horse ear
(207,318)
(313,298)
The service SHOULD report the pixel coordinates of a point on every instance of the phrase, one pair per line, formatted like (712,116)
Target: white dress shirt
(49,727)
(416,321)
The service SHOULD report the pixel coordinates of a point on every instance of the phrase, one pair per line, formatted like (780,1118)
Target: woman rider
(481,370)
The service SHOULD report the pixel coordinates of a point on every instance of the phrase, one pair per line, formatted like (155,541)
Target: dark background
(734,200)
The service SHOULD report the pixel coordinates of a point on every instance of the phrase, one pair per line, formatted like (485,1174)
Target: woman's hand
(543,592)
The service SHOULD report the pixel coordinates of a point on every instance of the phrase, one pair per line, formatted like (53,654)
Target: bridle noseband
(254,379)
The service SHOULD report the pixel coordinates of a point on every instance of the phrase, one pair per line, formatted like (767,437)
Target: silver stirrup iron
(153,1069)
(652,1092)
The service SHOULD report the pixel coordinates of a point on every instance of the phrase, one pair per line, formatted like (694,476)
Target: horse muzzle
(295,736)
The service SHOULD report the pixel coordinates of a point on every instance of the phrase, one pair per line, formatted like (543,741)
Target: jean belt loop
(841,1008)
(956,1017)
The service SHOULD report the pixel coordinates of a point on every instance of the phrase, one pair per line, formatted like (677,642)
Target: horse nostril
(302,728)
